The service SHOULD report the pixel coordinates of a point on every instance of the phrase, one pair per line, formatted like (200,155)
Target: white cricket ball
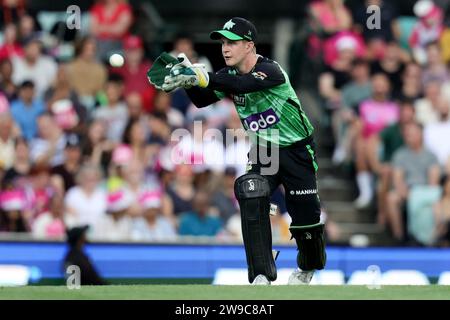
(116,60)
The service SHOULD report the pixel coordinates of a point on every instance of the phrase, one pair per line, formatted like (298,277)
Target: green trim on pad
(304,227)
(311,152)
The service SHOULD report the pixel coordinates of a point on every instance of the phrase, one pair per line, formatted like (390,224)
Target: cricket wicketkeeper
(271,113)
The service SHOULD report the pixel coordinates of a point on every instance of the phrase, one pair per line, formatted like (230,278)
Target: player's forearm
(240,84)
(201,97)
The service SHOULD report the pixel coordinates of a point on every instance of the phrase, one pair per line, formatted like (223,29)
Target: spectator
(134,104)
(12,11)
(163,104)
(374,115)
(280,228)
(34,66)
(86,202)
(136,182)
(48,147)
(435,68)
(337,74)
(411,87)
(50,224)
(115,113)
(134,70)
(180,193)
(376,38)
(27,28)
(122,156)
(110,23)
(389,141)
(353,93)
(64,104)
(67,171)
(136,136)
(116,224)
(98,149)
(39,191)
(237,148)
(153,226)
(224,199)
(392,65)
(17,175)
(201,148)
(76,239)
(428,29)
(12,206)
(199,221)
(341,42)
(435,131)
(7,85)
(10,47)
(326,18)
(26,110)
(7,136)
(184,43)
(160,131)
(413,166)
(426,107)
(86,76)
(442,215)
(330,16)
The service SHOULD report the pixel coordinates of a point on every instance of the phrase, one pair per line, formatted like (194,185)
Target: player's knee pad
(311,246)
(253,193)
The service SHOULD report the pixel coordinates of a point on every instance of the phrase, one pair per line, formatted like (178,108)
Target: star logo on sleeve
(229,25)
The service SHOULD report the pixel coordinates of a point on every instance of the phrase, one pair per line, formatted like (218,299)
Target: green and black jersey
(264,98)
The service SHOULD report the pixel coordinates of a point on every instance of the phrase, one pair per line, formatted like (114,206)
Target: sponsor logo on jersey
(259,75)
(239,99)
(262,120)
(303,192)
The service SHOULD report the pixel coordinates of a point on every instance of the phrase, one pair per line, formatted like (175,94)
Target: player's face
(234,52)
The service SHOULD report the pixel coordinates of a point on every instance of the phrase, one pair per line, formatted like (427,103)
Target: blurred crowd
(385,84)
(86,140)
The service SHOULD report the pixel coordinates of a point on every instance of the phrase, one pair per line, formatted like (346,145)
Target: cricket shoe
(300,277)
(261,280)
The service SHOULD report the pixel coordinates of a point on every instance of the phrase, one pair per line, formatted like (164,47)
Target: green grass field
(210,292)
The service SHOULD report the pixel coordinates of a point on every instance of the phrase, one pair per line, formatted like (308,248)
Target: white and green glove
(185,75)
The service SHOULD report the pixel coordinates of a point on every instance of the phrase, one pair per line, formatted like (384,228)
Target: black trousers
(295,168)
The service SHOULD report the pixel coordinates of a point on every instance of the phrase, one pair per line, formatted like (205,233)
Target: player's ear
(250,45)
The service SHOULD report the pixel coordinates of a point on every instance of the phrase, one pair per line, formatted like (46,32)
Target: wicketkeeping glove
(161,69)
(185,74)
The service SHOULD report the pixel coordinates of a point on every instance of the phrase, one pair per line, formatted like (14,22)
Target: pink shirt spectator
(377,115)
(343,41)
(327,17)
